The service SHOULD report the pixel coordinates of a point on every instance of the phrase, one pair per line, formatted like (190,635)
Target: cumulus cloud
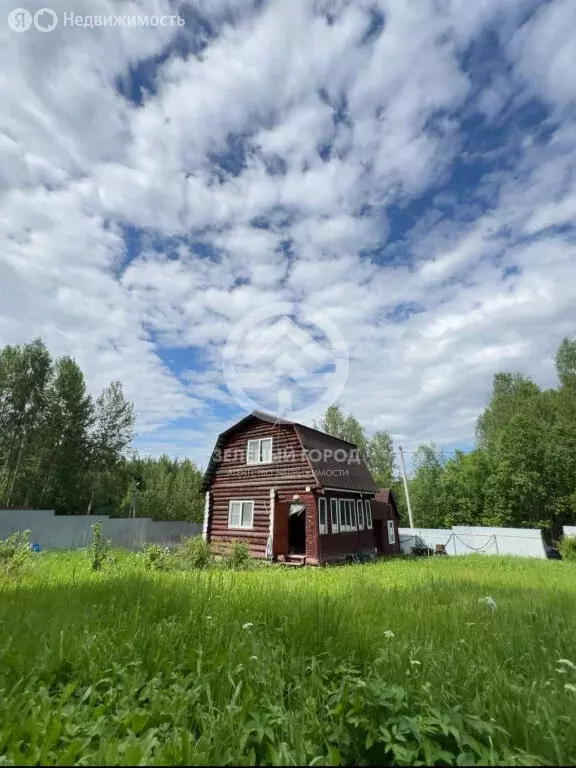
(158,184)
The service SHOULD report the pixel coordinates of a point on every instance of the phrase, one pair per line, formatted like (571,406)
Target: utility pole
(406,488)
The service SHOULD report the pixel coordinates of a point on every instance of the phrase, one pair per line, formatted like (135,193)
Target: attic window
(259,451)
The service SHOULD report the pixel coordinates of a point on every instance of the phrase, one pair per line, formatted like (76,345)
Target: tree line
(62,449)
(521,472)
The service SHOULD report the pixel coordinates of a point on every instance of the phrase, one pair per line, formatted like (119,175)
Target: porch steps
(295,560)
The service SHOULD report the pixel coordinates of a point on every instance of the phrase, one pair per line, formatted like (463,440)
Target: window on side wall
(342,505)
(391,532)
(322,515)
(353,515)
(334,515)
(360,511)
(259,451)
(368,510)
(240,514)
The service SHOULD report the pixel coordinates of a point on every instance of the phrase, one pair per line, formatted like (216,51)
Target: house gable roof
(347,472)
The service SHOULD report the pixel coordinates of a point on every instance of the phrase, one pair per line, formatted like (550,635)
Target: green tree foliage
(428,465)
(62,450)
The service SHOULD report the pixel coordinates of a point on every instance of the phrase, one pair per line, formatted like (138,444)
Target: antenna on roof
(280,417)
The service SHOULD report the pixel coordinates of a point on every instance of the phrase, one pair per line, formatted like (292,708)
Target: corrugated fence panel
(468,540)
(422,537)
(570,530)
(52,531)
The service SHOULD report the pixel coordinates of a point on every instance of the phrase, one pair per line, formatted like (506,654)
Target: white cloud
(428,320)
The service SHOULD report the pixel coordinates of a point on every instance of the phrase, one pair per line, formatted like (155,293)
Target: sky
(399,175)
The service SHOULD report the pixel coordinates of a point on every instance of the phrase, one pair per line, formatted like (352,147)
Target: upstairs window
(368,510)
(334,515)
(240,514)
(391,532)
(322,515)
(360,510)
(259,451)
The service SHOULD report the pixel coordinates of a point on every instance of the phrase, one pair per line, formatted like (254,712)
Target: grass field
(395,662)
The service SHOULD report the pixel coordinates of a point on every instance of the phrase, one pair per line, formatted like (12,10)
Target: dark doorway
(297,533)
(379,536)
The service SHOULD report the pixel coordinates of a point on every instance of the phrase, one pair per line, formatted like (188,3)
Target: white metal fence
(52,531)
(468,540)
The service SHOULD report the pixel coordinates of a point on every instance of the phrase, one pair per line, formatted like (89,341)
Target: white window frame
(322,507)
(259,442)
(342,510)
(368,510)
(335,526)
(241,502)
(391,532)
(360,514)
(347,515)
(353,518)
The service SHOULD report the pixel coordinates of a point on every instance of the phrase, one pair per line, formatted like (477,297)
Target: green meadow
(396,662)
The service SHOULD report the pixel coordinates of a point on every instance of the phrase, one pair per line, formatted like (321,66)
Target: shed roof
(383,500)
(349,474)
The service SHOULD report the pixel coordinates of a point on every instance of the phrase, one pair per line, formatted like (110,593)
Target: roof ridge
(281,420)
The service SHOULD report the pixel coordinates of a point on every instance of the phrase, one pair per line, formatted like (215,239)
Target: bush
(99,548)
(194,552)
(236,555)
(567,547)
(14,552)
(156,558)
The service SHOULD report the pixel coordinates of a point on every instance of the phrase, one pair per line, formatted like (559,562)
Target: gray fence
(52,531)
(467,540)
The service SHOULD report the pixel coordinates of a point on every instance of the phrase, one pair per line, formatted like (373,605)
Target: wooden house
(294,494)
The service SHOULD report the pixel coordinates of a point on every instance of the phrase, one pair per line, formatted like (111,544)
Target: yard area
(396,662)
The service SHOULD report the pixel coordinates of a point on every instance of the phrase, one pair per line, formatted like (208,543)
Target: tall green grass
(392,662)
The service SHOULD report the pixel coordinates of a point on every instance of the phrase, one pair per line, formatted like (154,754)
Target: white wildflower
(247,625)
(567,662)
(208,618)
(488,602)
(570,687)
(389,633)
(254,658)
(415,662)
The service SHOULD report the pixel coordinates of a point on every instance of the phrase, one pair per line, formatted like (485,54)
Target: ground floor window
(322,516)
(391,532)
(368,509)
(334,515)
(360,509)
(240,514)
